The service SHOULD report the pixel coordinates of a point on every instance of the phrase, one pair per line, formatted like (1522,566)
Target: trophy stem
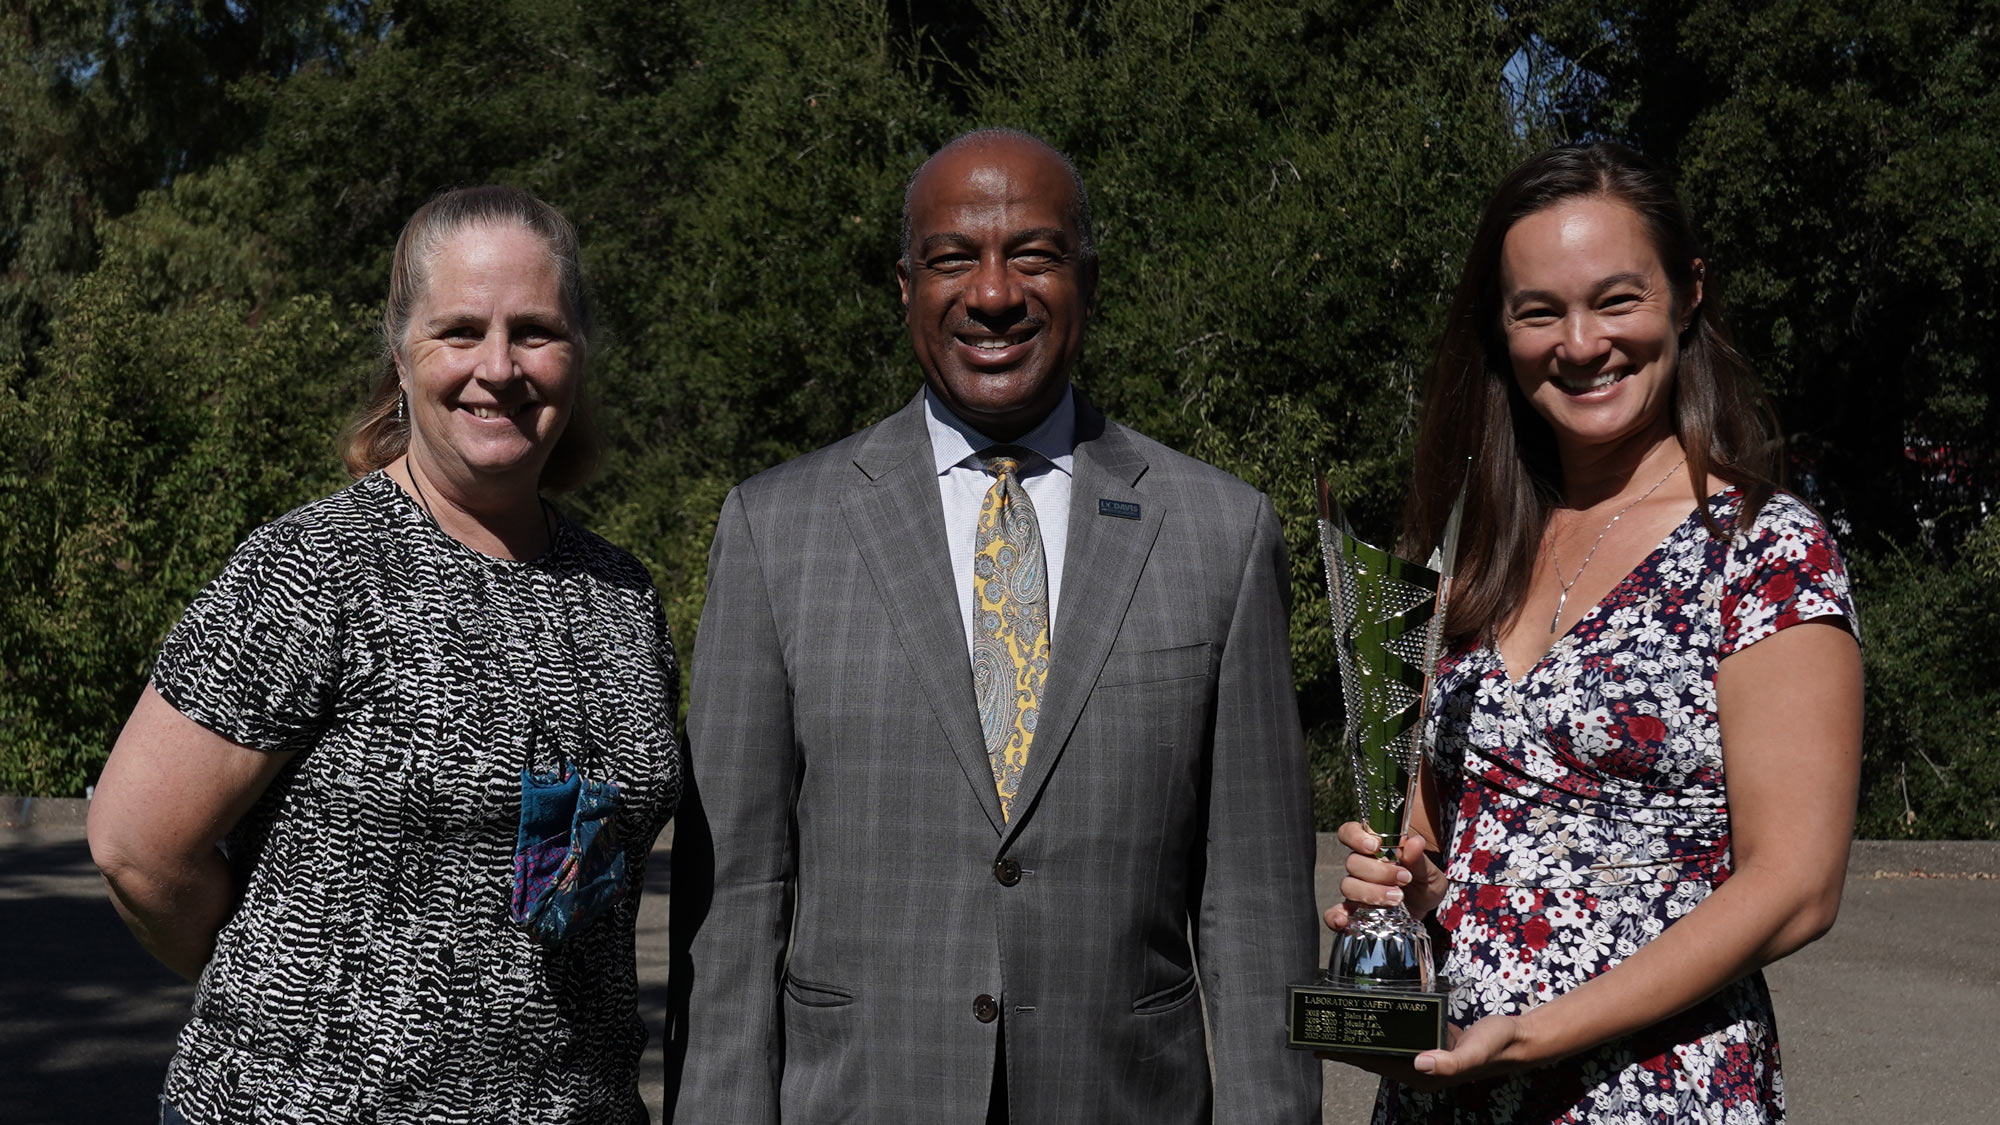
(1404,826)
(1389,845)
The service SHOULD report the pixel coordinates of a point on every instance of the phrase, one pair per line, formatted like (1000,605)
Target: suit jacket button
(1008,871)
(985,1009)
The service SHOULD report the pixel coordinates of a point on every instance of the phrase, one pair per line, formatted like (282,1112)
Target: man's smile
(986,348)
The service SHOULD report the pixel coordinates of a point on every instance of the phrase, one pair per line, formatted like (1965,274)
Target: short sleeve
(255,658)
(1787,570)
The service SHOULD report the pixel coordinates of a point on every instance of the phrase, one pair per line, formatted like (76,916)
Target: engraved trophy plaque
(1379,993)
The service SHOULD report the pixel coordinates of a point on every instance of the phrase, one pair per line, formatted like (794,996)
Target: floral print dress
(1589,812)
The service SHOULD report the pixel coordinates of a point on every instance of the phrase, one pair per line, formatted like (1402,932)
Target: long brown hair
(378,434)
(1479,430)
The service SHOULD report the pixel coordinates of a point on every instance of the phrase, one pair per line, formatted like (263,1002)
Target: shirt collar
(954,442)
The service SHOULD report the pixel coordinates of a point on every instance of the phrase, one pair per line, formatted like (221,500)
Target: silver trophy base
(1379,994)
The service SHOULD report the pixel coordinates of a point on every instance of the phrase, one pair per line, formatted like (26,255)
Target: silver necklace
(1555,559)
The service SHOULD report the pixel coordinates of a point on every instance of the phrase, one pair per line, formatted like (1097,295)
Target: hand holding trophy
(1380,993)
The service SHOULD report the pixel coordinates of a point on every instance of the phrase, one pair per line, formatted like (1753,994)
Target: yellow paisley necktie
(1010,645)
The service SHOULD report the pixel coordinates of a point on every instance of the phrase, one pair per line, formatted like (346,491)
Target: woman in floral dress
(1645,736)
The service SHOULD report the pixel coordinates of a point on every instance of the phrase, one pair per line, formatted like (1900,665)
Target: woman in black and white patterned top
(317,805)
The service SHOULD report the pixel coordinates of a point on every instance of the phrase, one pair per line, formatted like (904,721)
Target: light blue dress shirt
(963,481)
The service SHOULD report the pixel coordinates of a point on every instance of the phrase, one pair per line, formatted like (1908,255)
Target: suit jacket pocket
(812,995)
(1167,999)
(1155,665)
(824,1050)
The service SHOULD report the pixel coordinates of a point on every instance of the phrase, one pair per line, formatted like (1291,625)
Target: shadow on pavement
(651,944)
(1891,1018)
(87,1021)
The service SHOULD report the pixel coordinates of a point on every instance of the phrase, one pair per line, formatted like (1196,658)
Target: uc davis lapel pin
(1120,508)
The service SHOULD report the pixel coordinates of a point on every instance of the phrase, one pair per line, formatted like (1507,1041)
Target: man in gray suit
(996,772)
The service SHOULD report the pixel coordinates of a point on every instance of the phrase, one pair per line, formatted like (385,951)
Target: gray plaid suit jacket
(847,901)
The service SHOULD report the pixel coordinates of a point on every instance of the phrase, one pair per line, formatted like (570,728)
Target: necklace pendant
(1557,619)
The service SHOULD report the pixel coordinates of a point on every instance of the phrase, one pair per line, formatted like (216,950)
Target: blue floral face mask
(567,863)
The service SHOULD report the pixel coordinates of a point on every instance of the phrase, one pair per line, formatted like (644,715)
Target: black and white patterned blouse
(371,972)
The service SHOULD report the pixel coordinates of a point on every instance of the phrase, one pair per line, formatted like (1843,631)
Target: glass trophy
(1380,992)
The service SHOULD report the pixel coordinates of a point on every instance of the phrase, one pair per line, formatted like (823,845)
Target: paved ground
(1892,1018)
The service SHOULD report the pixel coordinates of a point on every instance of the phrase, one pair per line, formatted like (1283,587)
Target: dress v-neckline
(1516,683)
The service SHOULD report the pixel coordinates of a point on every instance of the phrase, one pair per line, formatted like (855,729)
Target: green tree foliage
(1933,739)
(761,320)
(104,100)
(1282,192)
(138,458)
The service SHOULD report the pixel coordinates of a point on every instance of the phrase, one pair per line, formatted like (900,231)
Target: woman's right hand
(1415,882)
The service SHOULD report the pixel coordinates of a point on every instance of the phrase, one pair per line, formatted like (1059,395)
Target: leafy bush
(137,459)
(1932,750)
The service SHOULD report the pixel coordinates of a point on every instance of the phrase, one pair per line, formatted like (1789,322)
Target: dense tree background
(201,196)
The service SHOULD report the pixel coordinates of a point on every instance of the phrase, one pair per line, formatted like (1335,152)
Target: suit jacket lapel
(897,522)
(1101,568)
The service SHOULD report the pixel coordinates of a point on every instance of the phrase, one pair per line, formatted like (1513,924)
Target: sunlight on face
(490,363)
(1590,321)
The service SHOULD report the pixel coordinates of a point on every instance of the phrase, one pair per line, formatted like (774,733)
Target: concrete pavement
(1892,1018)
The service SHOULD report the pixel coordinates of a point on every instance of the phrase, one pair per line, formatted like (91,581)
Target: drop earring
(402,411)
